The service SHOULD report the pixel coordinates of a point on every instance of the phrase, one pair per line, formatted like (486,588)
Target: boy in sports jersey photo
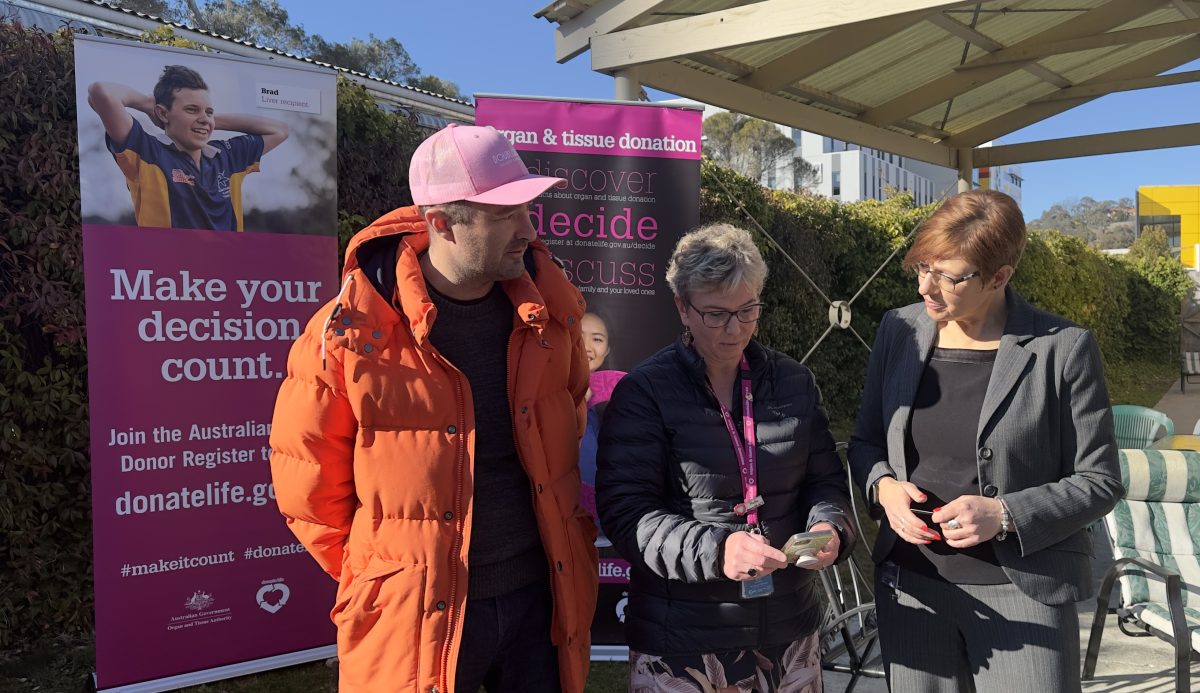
(179,178)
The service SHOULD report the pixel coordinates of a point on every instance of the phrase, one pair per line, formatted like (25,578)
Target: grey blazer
(1045,440)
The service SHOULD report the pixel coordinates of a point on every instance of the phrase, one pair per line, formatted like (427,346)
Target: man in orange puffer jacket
(425,441)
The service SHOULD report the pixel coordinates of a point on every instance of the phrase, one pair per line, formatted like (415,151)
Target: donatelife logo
(273,595)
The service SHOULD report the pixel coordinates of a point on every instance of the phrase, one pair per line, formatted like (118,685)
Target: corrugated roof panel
(894,66)
(995,99)
(707,69)
(760,54)
(1019,21)
(1001,96)
(1167,13)
(1084,65)
(926,52)
(927,66)
(266,49)
(1004,102)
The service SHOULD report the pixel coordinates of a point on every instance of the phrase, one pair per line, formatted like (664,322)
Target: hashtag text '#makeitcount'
(181,563)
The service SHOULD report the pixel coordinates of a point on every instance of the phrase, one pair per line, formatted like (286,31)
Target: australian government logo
(199,601)
(200,609)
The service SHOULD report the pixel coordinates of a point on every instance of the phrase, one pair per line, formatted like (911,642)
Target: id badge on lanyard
(747,458)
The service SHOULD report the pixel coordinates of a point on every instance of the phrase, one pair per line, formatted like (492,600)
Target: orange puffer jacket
(372,459)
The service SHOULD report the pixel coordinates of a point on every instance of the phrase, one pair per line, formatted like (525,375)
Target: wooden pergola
(919,78)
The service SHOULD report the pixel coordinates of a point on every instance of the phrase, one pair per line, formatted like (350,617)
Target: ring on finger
(752,572)
(954,524)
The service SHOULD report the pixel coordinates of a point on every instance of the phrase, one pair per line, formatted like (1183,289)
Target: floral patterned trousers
(791,668)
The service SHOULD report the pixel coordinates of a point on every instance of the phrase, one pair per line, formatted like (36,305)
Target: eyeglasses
(944,281)
(720,318)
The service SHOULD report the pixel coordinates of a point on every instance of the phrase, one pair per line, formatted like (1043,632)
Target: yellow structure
(1176,210)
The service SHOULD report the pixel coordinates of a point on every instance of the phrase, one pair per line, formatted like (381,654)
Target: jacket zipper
(762,613)
(458,517)
(533,495)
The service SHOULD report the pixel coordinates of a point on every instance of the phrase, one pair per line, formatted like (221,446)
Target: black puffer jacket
(666,484)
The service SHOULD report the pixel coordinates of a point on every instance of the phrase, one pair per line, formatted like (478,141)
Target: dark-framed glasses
(720,318)
(945,282)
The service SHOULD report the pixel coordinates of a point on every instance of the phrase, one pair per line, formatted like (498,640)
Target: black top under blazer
(666,483)
(1045,440)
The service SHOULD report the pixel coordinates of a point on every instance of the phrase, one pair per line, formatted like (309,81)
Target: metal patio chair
(1154,533)
(849,634)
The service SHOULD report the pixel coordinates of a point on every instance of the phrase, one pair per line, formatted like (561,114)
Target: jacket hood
(403,222)
(387,253)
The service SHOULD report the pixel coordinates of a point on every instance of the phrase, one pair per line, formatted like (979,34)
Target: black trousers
(506,644)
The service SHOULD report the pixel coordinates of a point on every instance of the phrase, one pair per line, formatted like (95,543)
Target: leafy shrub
(45,504)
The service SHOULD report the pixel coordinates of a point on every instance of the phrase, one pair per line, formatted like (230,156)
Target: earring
(687,335)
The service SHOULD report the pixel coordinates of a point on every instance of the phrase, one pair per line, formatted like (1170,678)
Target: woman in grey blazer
(985,442)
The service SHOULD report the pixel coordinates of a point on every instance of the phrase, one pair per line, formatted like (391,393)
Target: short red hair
(983,227)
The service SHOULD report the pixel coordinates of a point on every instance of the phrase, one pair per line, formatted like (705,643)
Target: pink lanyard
(746,456)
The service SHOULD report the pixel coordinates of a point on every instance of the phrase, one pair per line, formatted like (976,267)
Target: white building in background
(849,173)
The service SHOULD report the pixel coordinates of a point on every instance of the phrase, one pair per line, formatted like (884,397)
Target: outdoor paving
(1183,408)
(1126,664)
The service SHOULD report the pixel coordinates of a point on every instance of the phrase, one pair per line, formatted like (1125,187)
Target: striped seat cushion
(1190,362)
(1156,616)
(1158,520)
(1157,476)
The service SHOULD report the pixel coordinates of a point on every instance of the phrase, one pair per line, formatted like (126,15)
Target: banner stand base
(600,653)
(610,653)
(228,671)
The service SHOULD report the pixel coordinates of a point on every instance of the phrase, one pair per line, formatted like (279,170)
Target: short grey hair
(459,212)
(715,257)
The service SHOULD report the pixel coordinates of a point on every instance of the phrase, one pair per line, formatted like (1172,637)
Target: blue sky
(496,46)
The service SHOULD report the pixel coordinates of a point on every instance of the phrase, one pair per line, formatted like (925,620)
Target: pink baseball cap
(472,163)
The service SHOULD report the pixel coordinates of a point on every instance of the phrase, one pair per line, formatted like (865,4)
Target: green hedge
(1132,306)
(839,246)
(45,525)
(45,504)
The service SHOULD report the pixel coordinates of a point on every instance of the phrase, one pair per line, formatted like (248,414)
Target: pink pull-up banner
(631,190)
(209,235)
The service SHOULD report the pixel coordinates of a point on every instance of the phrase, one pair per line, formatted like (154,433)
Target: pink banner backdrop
(188,334)
(632,188)
(196,574)
(568,127)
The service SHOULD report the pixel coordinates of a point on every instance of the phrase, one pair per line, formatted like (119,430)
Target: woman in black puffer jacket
(701,515)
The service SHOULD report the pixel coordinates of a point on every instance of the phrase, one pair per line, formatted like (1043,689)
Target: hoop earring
(687,336)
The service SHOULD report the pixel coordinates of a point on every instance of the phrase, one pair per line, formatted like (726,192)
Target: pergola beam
(852,107)
(1023,53)
(1163,59)
(683,81)
(1089,145)
(987,43)
(1103,18)
(572,36)
(826,50)
(810,93)
(741,26)
(1103,88)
